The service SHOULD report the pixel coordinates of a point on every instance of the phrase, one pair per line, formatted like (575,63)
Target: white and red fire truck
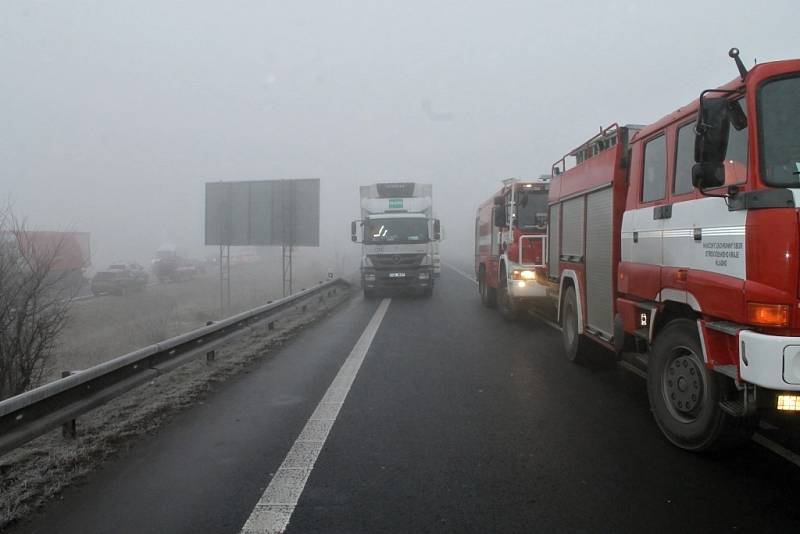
(510,239)
(677,245)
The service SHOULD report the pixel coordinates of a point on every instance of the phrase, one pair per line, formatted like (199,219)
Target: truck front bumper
(415,278)
(771,362)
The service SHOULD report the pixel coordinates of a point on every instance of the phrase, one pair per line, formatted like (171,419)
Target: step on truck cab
(510,245)
(677,246)
(399,238)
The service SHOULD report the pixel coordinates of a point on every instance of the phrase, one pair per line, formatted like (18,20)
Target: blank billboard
(263,213)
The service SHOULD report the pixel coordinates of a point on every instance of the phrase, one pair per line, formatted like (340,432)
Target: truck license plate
(397,275)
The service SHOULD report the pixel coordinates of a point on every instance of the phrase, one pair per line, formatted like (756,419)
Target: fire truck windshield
(779,136)
(532,210)
(400,230)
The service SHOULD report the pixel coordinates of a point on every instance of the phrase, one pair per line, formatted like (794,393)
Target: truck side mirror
(353,234)
(711,143)
(500,215)
(437,230)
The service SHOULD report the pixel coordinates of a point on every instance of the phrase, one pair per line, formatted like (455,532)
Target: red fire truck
(677,245)
(510,244)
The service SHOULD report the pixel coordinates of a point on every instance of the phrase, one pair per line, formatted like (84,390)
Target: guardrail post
(304,308)
(210,355)
(69,430)
(271,325)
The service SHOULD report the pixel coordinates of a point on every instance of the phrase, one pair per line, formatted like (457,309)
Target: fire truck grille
(391,261)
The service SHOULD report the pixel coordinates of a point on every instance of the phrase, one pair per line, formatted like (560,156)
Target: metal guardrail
(35,412)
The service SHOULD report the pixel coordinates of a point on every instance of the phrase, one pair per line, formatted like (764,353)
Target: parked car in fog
(120,279)
(171,265)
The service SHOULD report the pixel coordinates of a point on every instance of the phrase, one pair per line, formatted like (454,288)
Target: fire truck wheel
(684,394)
(488,294)
(505,302)
(574,344)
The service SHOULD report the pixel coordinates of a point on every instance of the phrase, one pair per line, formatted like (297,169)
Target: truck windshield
(779,132)
(532,210)
(396,231)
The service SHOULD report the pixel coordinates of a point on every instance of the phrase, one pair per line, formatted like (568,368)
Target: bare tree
(33,304)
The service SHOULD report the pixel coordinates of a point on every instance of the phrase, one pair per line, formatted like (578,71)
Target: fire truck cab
(510,245)
(677,247)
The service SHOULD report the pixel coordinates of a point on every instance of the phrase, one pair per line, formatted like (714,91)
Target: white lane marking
(784,453)
(274,510)
(633,369)
(462,273)
(548,322)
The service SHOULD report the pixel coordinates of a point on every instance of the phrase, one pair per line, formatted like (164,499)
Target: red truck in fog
(510,237)
(677,246)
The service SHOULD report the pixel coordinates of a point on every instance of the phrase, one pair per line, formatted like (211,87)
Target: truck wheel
(574,343)
(488,294)
(506,305)
(427,292)
(684,394)
(369,293)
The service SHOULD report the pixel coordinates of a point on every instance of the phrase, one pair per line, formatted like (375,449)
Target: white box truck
(400,248)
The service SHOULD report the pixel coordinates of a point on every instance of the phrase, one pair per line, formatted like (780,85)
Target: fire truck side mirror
(437,230)
(708,175)
(353,233)
(711,142)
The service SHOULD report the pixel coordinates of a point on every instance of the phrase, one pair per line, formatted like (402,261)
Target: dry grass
(39,471)
(109,326)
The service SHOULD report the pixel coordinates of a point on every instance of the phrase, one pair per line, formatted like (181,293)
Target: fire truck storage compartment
(599,277)
(572,230)
(553,239)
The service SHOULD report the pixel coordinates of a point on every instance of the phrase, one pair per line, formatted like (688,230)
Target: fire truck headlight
(518,274)
(788,403)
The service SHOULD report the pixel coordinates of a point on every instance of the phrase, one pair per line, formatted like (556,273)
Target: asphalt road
(456,421)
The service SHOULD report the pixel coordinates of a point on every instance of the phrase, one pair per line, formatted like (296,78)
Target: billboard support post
(224,280)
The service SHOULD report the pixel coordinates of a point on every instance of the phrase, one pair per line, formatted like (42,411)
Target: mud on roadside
(38,471)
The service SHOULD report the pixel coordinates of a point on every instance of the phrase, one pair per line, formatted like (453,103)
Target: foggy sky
(114,114)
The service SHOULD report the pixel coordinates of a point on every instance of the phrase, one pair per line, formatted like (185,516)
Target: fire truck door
(642,246)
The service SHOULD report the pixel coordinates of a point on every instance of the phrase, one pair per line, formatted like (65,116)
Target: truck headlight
(426,260)
(518,274)
(369,277)
(366,262)
(424,276)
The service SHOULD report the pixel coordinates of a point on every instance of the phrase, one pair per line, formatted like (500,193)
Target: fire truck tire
(574,343)
(684,394)
(488,294)
(506,305)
